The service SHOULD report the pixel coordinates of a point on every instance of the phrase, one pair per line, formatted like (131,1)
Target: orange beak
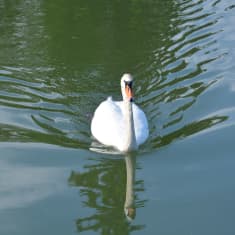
(129,92)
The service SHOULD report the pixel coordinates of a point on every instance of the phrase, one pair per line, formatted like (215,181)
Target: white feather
(108,124)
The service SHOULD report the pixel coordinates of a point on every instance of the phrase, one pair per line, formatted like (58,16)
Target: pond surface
(60,59)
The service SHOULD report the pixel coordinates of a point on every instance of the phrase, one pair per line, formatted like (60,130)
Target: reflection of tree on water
(104,187)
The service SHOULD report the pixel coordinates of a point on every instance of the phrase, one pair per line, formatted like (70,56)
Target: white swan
(121,124)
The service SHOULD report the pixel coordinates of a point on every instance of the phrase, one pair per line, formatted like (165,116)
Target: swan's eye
(128,83)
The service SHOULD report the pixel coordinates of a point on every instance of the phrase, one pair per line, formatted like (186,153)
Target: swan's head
(126,86)
(130,213)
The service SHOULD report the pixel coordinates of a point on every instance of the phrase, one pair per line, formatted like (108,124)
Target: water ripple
(182,73)
(185,62)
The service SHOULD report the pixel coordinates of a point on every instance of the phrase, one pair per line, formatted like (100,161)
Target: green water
(60,59)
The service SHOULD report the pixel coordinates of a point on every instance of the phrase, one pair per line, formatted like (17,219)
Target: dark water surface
(60,59)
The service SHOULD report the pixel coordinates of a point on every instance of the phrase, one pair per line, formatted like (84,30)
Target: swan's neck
(130,141)
(130,172)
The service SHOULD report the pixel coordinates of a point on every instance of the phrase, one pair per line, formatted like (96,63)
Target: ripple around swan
(37,112)
(183,74)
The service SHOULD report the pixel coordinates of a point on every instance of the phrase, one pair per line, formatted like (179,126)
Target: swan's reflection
(129,206)
(106,187)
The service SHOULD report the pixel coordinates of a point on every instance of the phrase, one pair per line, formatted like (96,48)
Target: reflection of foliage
(12,133)
(103,30)
(104,186)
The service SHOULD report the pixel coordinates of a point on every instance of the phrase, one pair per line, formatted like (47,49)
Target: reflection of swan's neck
(130,172)
(130,142)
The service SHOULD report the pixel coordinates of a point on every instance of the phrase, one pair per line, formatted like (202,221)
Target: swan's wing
(107,123)
(140,124)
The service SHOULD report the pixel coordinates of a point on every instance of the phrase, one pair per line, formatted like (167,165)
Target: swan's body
(120,124)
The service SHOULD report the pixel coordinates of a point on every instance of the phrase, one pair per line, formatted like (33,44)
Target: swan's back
(108,124)
(140,125)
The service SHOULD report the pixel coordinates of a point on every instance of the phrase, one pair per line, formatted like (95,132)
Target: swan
(120,124)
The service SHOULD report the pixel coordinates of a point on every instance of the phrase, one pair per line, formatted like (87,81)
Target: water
(59,60)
